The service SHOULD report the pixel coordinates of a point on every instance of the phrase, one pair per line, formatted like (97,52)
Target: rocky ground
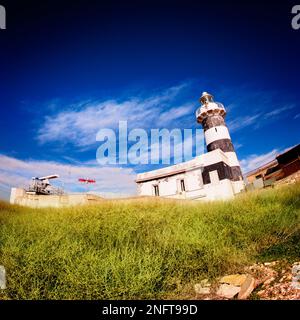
(276,280)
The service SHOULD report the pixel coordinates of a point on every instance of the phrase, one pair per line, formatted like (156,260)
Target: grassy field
(142,249)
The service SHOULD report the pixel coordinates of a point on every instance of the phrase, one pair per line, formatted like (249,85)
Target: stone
(247,287)
(257,283)
(296,269)
(205,283)
(2,278)
(267,282)
(273,263)
(261,292)
(234,279)
(199,289)
(228,290)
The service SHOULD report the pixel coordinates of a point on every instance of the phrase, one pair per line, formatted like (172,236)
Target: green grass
(142,249)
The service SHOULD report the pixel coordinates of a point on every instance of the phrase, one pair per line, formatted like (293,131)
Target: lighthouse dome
(209,107)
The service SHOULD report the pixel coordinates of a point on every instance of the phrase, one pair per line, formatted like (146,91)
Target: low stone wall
(293,178)
(19,196)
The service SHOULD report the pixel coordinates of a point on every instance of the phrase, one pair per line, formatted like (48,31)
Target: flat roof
(168,171)
(196,163)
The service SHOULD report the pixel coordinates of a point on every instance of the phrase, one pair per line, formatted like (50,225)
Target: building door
(182,185)
(156,190)
(214,177)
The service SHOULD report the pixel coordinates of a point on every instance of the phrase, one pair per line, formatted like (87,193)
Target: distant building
(261,171)
(213,175)
(21,197)
(284,165)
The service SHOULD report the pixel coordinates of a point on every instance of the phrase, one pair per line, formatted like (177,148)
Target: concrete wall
(168,180)
(170,187)
(19,196)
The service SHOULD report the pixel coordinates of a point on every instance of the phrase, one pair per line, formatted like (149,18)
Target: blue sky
(69,70)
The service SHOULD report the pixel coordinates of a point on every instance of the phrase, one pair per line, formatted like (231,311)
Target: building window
(182,185)
(156,190)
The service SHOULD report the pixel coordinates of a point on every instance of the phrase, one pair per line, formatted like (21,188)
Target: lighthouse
(213,175)
(211,115)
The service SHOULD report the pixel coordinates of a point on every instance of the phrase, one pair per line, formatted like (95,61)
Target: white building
(213,175)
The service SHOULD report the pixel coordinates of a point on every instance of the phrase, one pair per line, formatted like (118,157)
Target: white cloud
(80,123)
(176,113)
(242,122)
(237,145)
(297,116)
(254,161)
(258,119)
(278,111)
(109,180)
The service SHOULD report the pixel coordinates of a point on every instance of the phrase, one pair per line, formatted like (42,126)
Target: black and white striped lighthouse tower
(211,115)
